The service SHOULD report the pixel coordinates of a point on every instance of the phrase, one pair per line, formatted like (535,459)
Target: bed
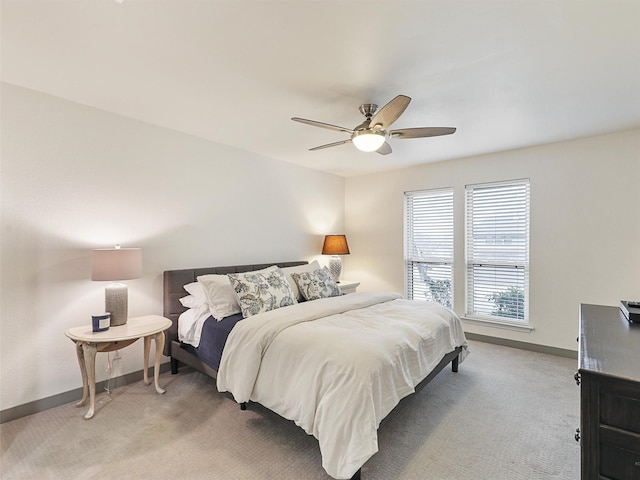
(344,362)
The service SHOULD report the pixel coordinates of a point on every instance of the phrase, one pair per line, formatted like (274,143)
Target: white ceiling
(507,74)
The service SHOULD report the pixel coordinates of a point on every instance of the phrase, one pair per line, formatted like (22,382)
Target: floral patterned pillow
(316,284)
(261,290)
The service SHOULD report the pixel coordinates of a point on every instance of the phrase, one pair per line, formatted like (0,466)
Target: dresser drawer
(620,404)
(619,453)
(619,464)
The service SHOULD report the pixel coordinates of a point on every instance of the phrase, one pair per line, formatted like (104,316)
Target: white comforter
(338,366)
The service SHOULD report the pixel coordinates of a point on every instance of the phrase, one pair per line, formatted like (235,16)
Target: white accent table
(88,343)
(348,287)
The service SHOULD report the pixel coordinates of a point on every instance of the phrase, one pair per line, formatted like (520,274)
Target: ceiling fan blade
(390,112)
(334,144)
(421,132)
(385,149)
(314,123)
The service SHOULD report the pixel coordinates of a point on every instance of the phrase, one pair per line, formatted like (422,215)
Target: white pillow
(222,301)
(190,301)
(197,290)
(262,290)
(309,267)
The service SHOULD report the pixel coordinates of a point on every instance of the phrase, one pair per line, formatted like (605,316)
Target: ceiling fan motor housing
(368,109)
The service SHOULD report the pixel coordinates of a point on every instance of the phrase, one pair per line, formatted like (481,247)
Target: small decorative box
(101,322)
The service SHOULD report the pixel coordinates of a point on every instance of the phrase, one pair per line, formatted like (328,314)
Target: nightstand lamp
(335,245)
(114,265)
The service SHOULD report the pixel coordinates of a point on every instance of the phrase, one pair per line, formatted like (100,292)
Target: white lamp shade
(115,264)
(368,141)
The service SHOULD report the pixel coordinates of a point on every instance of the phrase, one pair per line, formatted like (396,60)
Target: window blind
(429,245)
(497,250)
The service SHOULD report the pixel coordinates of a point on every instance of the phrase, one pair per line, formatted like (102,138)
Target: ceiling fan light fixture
(368,141)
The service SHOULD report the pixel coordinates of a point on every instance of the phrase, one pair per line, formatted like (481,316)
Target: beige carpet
(507,414)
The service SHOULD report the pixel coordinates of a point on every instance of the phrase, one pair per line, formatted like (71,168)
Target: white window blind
(497,251)
(429,246)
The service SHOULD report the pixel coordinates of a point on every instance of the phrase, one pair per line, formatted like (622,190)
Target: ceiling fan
(371,135)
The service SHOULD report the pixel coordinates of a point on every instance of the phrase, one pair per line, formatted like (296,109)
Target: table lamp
(335,245)
(114,265)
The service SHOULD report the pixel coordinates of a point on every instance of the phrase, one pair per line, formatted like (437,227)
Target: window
(429,246)
(497,251)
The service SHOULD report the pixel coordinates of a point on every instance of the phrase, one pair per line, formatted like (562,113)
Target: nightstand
(348,287)
(88,343)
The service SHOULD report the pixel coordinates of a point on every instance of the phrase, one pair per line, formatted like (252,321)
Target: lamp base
(335,267)
(116,303)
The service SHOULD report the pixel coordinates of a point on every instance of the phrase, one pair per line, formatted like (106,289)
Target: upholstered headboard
(174,280)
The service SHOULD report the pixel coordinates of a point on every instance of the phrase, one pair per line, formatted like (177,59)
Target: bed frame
(173,291)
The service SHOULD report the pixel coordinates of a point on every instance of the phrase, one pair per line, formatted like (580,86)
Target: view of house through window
(497,251)
(429,246)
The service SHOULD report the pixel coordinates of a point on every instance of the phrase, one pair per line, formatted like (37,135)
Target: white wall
(75,178)
(585,227)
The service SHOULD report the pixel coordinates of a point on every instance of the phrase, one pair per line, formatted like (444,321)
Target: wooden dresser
(609,379)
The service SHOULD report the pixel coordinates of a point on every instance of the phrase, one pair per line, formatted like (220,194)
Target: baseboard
(72,395)
(533,347)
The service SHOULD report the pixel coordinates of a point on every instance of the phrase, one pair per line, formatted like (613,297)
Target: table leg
(145,373)
(159,338)
(83,372)
(89,351)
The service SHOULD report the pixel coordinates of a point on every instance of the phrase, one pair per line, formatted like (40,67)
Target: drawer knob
(577,435)
(577,378)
